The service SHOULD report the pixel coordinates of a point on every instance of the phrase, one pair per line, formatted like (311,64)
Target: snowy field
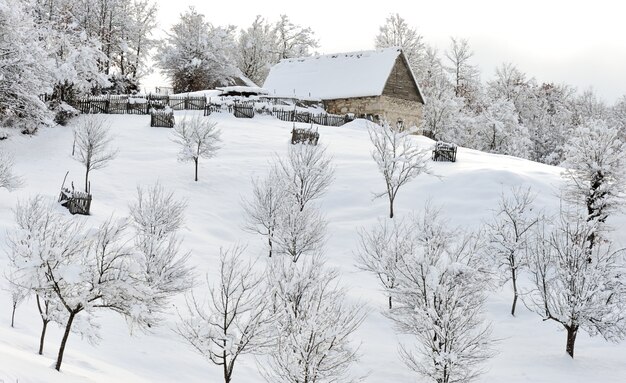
(528,349)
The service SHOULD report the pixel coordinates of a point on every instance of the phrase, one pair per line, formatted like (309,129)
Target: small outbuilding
(377,84)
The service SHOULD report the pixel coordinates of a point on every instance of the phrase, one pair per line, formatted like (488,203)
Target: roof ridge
(342,54)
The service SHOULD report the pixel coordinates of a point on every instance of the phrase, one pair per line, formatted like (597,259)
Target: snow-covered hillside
(528,349)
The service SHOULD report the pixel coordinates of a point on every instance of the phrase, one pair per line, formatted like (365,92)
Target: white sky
(581,43)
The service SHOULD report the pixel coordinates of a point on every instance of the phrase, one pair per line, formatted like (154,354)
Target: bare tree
(509,232)
(439,300)
(8,179)
(398,158)
(93,145)
(314,325)
(381,249)
(306,172)
(198,138)
(236,319)
(265,206)
(575,285)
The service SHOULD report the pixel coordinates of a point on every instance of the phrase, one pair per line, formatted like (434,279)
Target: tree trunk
(68,327)
(195,160)
(43,336)
(269,242)
(390,302)
(87,181)
(390,208)
(13,314)
(514,280)
(571,340)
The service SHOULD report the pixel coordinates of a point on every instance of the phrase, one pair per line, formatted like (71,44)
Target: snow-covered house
(377,83)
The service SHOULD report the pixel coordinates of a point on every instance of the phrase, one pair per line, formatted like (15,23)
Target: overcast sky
(581,43)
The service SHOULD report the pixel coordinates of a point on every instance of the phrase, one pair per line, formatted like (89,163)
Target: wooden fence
(75,201)
(162,118)
(137,105)
(444,151)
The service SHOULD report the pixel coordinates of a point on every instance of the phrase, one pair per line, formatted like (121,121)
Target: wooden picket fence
(162,118)
(124,104)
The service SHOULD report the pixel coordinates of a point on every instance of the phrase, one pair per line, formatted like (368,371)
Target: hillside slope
(529,350)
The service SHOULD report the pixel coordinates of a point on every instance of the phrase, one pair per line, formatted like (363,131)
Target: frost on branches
(576,285)
(235,319)
(92,142)
(198,137)
(398,158)
(314,324)
(382,248)
(8,179)
(440,298)
(75,272)
(595,171)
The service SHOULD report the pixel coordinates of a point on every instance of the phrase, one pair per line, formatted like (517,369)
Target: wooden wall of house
(400,83)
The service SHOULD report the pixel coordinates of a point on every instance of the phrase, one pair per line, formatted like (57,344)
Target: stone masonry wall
(381,107)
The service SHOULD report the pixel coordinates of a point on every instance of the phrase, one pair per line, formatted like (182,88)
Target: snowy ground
(529,350)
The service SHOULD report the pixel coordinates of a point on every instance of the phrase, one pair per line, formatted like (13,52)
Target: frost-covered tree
(235,319)
(264,208)
(500,131)
(548,116)
(255,50)
(464,74)
(156,216)
(314,324)
(508,234)
(93,145)
(42,238)
(156,212)
(397,33)
(199,138)
(195,55)
(306,173)
(8,179)
(440,300)
(299,231)
(24,69)
(596,171)
(18,293)
(576,285)
(382,248)
(618,115)
(398,158)
(75,272)
(292,40)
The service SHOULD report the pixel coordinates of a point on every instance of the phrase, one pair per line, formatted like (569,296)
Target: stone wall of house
(389,108)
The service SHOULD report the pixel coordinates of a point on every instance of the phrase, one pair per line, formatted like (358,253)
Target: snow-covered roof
(340,75)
